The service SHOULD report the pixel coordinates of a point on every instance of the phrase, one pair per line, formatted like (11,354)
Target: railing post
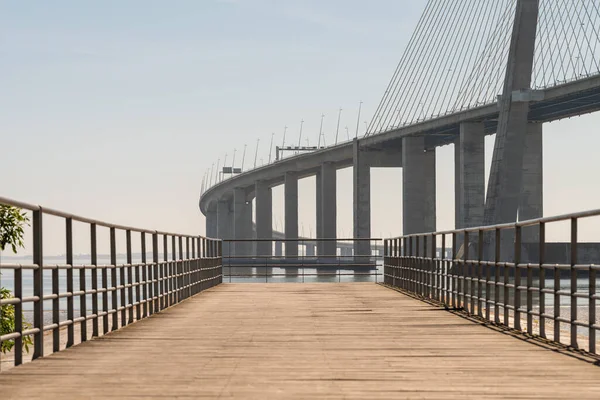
(18,292)
(465,276)
(157,281)
(423,267)
(179,272)
(497,247)
(480,277)
(130,301)
(142,293)
(164,281)
(445,277)
(453,267)
(517,292)
(433,268)
(94,261)
(530,298)
(220,265)
(83,304)
(186,278)
(173,272)
(70,283)
(385,261)
(574,343)
(403,262)
(201,256)
(542,295)
(55,311)
(38,284)
(113,277)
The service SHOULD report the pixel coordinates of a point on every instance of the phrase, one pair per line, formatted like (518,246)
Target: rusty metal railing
(134,291)
(488,275)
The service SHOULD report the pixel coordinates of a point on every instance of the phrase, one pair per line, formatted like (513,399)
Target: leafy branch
(12,223)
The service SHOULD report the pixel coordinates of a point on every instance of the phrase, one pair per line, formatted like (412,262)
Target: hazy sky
(114,109)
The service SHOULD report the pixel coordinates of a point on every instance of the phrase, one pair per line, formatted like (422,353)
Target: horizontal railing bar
(300,275)
(511,225)
(18,266)
(62,214)
(304,240)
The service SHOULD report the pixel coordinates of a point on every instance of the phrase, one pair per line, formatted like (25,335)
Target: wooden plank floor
(325,341)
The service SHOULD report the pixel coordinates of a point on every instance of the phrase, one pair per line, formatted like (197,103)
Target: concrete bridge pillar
(211,223)
(291,213)
(264,218)
(505,181)
(319,208)
(531,203)
(328,208)
(242,222)
(224,224)
(310,250)
(278,249)
(418,178)
(362,200)
(469,159)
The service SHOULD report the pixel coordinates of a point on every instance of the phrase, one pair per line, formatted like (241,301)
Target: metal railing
(497,284)
(326,260)
(134,291)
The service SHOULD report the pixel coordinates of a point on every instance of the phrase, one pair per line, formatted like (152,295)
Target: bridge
(532,63)
(489,309)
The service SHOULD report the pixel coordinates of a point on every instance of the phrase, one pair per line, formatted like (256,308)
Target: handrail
(494,275)
(135,291)
(78,218)
(509,225)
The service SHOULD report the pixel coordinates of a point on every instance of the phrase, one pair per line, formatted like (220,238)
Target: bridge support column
(329,208)
(211,223)
(531,203)
(418,179)
(319,208)
(291,213)
(505,182)
(242,222)
(279,249)
(361,201)
(224,224)
(264,218)
(470,175)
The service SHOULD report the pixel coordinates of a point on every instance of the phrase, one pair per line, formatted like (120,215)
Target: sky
(115,109)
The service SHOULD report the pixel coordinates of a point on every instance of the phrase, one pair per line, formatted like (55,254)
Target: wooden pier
(322,341)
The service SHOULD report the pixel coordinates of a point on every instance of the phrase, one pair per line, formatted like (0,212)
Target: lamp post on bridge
(217,171)
(300,136)
(358,119)
(271,147)
(320,131)
(244,157)
(233,163)
(256,152)
(338,126)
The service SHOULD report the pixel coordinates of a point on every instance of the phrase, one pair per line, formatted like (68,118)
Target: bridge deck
(304,341)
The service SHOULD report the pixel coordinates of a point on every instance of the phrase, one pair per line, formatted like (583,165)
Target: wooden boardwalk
(325,341)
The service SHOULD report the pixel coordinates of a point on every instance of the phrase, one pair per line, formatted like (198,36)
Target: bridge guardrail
(135,290)
(301,258)
(509,280)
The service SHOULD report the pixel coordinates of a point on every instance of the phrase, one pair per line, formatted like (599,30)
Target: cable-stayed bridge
(470,69)
(461,313)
